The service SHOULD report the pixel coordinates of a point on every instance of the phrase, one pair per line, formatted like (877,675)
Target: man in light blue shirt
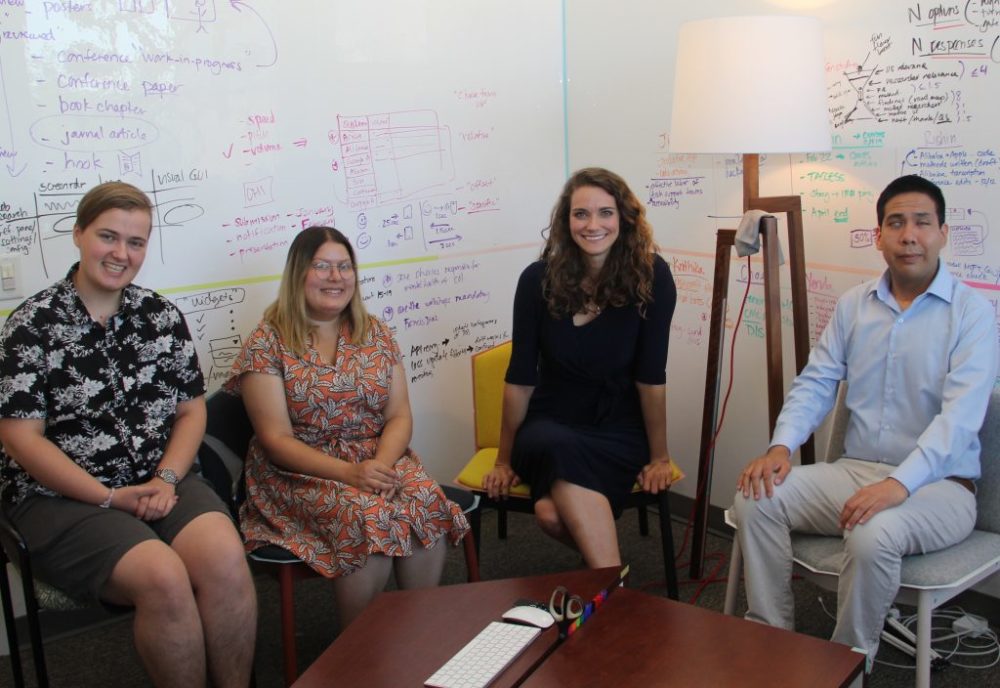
(918,349)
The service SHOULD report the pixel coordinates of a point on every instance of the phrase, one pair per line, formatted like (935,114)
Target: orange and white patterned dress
(338,409)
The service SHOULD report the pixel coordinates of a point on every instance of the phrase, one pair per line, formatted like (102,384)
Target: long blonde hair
(287,315)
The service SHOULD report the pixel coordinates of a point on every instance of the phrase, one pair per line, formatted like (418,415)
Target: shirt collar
(942,286)
(131,295)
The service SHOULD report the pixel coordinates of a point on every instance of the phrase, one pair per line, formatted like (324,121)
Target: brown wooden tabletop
(640,640)
(634,639)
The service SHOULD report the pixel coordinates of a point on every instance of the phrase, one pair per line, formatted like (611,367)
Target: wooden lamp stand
(725,240)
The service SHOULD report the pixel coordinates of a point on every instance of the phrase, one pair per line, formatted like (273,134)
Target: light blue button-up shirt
(918,379)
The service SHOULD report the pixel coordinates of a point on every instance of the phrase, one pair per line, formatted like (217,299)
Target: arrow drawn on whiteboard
(9,152)
(237,5)
(457,237)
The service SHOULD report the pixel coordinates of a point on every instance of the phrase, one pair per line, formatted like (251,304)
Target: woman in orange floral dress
(329,473)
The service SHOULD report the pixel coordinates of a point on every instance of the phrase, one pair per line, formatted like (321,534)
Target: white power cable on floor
(955,634)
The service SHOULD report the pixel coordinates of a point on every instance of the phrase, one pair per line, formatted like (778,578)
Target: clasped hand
(374,476)
(149,501)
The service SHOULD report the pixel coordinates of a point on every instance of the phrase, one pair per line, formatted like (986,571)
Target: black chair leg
(34,627)
(476,523)
(643,520)
(501,521)
(10,623)
(667,541)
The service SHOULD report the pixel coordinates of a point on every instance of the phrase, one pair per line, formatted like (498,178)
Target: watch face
(166,475)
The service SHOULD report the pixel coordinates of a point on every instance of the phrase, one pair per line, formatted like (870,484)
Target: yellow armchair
(488,370)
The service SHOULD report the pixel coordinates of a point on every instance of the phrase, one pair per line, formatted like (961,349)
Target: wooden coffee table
(634,639)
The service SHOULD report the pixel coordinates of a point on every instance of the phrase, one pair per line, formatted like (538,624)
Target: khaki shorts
(75,546)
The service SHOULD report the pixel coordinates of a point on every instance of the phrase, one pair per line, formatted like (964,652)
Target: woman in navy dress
(584,406)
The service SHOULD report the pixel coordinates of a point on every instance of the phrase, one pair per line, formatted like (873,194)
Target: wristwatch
(167,475)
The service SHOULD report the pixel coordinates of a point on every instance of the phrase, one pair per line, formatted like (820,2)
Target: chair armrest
(221,467)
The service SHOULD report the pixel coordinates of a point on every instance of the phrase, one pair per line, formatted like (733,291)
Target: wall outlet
(11,279)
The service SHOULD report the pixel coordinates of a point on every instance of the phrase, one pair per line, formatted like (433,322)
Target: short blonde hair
(110,196)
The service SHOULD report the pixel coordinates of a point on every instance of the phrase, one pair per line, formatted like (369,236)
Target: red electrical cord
(719,557)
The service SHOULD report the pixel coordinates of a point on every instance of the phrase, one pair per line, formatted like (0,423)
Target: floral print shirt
(108,394)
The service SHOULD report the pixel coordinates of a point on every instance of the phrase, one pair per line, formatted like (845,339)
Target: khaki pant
(810,501)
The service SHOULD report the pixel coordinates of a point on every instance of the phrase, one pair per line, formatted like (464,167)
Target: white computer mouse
(533,616)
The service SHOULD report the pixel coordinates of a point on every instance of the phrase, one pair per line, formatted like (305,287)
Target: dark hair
(110,196)
(910,183)
(627,274)
(287,315)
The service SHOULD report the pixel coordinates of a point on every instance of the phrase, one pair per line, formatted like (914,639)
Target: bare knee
(151,576)
(219,568)
(226,571)
(548,519)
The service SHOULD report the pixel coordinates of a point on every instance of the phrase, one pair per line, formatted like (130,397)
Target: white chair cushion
(942,569)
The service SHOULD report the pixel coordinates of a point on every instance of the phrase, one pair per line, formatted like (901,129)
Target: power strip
(971,626)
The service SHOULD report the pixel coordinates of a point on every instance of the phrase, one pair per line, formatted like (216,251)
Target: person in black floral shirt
(102,411)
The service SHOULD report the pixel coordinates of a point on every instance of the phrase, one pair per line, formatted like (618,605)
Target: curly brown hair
(627,274)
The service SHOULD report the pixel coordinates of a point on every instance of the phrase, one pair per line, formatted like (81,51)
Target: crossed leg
(581,517)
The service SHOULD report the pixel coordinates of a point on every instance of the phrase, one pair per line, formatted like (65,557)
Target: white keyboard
(485,656)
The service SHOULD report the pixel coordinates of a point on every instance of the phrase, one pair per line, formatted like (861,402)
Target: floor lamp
(751,85)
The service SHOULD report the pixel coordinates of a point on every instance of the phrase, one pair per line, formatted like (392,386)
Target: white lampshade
(750,85)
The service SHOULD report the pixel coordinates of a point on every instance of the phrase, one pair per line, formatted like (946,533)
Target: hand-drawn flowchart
(244,124)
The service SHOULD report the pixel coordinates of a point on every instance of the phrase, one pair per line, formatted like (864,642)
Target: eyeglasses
(325,269)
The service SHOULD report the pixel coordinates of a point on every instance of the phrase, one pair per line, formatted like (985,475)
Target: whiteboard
(430,132)
(437,133)
(912,88)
